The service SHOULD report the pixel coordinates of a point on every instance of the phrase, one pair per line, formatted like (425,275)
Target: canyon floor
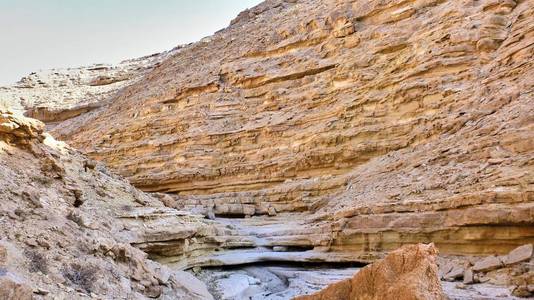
(332,148)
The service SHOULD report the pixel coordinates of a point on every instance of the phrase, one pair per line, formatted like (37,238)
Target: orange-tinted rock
(405,274)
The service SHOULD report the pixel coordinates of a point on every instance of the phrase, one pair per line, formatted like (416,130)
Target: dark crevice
(298,264)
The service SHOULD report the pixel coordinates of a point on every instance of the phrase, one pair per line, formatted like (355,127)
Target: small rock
(33,198)
(280,249)
(444,268)
(271,211)
(79,197)
(89,164)
(31,242)
(41,291)
(487,264)
(519,254)
(455,273)
(461,286)
(3,255)
(469,276)
(43,242)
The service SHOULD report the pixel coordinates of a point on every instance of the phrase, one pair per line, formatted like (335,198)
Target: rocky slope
(66,225)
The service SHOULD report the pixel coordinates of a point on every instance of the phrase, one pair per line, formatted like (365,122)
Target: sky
(44,34)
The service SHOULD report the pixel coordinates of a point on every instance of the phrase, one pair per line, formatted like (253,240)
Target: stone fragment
(519,254)
(3,255)
(469,276)
(280,249)
(487,264)
(271,211)
(41,291)
(444,268)
(455,273)
(89,164)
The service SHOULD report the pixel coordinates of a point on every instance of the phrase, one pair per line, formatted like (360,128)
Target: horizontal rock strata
(57,95)
(375,123)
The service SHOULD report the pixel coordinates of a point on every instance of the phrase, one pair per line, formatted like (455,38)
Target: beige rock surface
(407,273)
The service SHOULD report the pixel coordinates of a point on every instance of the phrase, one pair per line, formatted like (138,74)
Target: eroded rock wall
(57,95)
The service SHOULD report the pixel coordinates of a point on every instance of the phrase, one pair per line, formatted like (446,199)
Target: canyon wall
(378,122)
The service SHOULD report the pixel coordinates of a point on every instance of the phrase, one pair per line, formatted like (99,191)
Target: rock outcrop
(407,273)
(62,236)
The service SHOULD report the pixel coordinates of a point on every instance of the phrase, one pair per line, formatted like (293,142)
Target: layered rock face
(369,123)
(407,273)
(65,225)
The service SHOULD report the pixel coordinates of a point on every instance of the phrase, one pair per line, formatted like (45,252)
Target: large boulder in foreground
(407,273)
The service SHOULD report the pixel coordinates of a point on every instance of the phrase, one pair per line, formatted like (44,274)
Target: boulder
(519,254)
(455,273)
(469,276)
(407,273)
(487,264)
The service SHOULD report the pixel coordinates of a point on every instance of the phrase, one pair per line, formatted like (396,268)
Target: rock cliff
(56,95)
(375,123)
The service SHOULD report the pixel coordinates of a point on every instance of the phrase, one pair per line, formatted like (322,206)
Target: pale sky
(45,34)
